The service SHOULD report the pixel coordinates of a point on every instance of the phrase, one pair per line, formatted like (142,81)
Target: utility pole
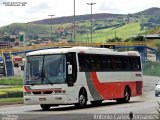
(115,34)
(74,36)
(51,25)
(91,4)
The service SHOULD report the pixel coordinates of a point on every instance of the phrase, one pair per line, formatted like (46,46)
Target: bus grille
(46,92)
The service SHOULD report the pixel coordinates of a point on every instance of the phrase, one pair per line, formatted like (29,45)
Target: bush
(12,94)
(11,81)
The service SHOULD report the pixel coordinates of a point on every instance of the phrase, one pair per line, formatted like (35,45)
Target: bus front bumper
(45,99)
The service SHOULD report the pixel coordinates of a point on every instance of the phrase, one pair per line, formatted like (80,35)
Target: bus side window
(126,63)
(104,63)
(109,63)
(83,62)
(137,64)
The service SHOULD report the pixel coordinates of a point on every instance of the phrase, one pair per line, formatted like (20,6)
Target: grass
(123,32)
(6,100)
(11,89)
(13,86)
(154,31)
(11,80)
(8,92)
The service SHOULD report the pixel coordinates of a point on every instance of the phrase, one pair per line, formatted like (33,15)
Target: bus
(78,75)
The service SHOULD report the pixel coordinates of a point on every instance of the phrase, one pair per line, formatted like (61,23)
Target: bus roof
(84,50)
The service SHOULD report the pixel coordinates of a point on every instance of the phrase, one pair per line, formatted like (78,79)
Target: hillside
(123,32)
(151,11)
(105,26)
(69,19)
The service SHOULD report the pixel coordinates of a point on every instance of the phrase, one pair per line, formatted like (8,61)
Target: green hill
(105,26)
(151,11)
(123,32)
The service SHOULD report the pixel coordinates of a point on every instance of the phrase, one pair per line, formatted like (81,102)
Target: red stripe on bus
(26,89)
(113,90)
(42,90)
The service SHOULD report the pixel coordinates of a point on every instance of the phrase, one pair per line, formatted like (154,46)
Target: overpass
(52,45)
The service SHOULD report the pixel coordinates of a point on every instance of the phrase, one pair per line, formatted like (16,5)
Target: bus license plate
(42,99)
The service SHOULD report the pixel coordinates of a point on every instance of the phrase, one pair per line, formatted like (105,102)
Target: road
(145,104)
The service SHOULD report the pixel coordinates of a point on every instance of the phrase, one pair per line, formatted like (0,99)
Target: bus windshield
(45,69)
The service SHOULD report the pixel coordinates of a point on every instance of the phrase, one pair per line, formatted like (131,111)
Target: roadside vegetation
(15,80)
(151,68)
(11,89)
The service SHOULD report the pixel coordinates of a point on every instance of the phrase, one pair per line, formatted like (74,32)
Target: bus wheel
(127,95)
(96,103)
(45,107)
(82,99)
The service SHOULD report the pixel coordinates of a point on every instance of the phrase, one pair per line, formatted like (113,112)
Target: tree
(138,39)
(116,39)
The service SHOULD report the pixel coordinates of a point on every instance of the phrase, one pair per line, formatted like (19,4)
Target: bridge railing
(41,46)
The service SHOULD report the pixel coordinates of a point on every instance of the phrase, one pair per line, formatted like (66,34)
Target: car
(157,89)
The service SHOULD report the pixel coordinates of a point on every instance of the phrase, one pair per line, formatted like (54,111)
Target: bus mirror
(69,69)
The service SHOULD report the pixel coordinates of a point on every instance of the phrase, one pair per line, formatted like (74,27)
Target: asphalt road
(145,104)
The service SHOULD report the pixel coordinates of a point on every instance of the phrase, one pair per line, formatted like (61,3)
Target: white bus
(79,74)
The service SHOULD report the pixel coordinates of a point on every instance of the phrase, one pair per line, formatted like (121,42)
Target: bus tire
(82,99)
(127,95)
(45,107)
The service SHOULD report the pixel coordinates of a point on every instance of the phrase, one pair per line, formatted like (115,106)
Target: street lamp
(74,36)
(51,24)
(91,4)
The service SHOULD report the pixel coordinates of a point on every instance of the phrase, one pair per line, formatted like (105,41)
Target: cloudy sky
(33,10)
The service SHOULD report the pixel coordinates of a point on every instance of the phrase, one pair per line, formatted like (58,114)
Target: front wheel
(82,100)
(45,107)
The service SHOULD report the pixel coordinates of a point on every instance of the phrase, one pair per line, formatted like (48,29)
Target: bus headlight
(58,91)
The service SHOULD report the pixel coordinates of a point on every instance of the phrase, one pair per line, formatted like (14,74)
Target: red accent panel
(113,90)
(56,90)
(26,89)
(104,89)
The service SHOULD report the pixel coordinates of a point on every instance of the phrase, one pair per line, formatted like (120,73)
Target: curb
(11,103)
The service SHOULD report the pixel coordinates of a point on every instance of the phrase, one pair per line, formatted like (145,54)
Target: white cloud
(40,9)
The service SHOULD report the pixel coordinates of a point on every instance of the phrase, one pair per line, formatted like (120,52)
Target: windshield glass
(48,69)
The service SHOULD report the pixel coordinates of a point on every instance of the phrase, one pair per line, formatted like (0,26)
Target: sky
(12,11)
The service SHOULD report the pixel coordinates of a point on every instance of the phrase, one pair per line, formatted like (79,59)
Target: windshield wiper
(48,80)
(40,76)
(43,74)
(36,79)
